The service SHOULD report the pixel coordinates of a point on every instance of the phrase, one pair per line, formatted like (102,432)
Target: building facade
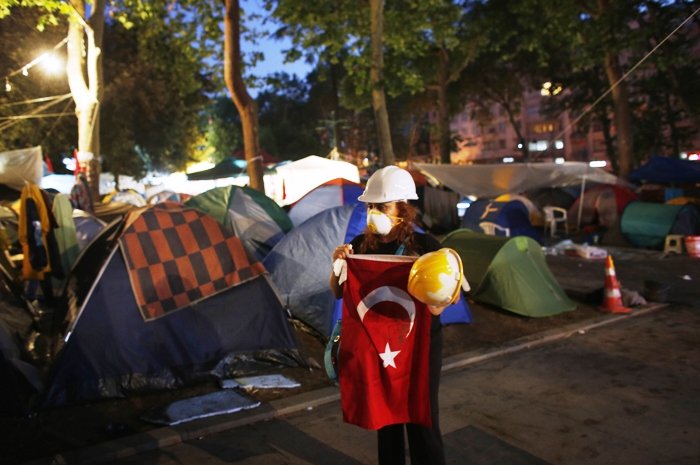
(493,139)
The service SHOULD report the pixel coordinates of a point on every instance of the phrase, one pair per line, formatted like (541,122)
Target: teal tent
(646,224)
(510,273)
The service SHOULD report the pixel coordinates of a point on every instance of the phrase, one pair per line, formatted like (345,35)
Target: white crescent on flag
(388,294)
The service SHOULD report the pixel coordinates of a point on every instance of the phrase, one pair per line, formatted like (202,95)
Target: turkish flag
(385,344)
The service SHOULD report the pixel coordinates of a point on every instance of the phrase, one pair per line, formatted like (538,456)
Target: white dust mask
(379,223)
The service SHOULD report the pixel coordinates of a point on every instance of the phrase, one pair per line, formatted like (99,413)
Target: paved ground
(627,392)
(108,430)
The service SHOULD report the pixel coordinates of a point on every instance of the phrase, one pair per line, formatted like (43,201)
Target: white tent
(302,176)
(488,181)
(18,166)
(513,178)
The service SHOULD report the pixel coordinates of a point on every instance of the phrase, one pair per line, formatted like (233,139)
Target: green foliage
(338,32)
(288,121)
(153,94)
(223,128)
(161,68)
(50,12)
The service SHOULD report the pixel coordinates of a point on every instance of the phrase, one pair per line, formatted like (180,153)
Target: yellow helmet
(435,278)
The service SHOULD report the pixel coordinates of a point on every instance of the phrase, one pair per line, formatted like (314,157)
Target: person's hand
(342,251)
(438,309)
(435,310)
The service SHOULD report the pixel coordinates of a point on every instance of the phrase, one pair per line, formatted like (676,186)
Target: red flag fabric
(49,163)
(77,162)
(384,350)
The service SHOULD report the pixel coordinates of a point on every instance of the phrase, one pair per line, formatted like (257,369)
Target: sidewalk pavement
(168,436)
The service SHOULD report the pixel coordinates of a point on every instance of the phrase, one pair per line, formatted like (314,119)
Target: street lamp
(51,63)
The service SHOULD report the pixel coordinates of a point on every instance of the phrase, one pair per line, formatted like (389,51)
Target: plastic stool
(674,243)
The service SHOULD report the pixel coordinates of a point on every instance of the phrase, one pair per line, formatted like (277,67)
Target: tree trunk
(84,72)
(381,115)
(604,121)
(246,106)
(672,127)
(623,114)
(620,93)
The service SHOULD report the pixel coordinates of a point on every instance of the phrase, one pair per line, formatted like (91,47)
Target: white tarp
(300,177)
(514,178)
(18,166)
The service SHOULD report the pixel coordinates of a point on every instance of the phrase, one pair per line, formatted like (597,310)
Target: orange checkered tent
(166,296)
(177,256)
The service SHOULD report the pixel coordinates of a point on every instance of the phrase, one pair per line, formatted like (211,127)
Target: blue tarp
(663,170)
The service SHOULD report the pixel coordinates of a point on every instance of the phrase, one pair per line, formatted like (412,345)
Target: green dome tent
(510,273)
(251,215)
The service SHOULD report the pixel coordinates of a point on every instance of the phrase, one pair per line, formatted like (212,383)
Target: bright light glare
(464,203)
(694,157)
(550,89)
(51,63)
(200,166)
(508,159)
(559,144)
(597,163)
(69,163)
(559,160)
(462,207)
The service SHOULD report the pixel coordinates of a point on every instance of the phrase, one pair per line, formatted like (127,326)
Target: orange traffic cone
(612,300)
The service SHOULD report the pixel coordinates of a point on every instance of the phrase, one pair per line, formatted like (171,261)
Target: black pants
(425,444)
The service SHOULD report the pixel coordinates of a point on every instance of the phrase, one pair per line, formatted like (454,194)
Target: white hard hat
(389,184)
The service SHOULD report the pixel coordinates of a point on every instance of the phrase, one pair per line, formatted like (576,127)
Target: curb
(168,436)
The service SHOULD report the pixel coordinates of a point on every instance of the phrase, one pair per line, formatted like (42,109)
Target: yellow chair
(674,243)
(492,228)
(553,216)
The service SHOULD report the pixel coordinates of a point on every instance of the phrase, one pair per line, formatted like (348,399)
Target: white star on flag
(388,356)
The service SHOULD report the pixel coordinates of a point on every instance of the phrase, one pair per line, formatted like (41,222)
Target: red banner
(384,350)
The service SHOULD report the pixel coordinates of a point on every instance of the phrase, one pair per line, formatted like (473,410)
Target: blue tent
(300,267)
(205,325)
(513,215)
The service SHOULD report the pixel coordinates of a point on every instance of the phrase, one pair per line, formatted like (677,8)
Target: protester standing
(391,231)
